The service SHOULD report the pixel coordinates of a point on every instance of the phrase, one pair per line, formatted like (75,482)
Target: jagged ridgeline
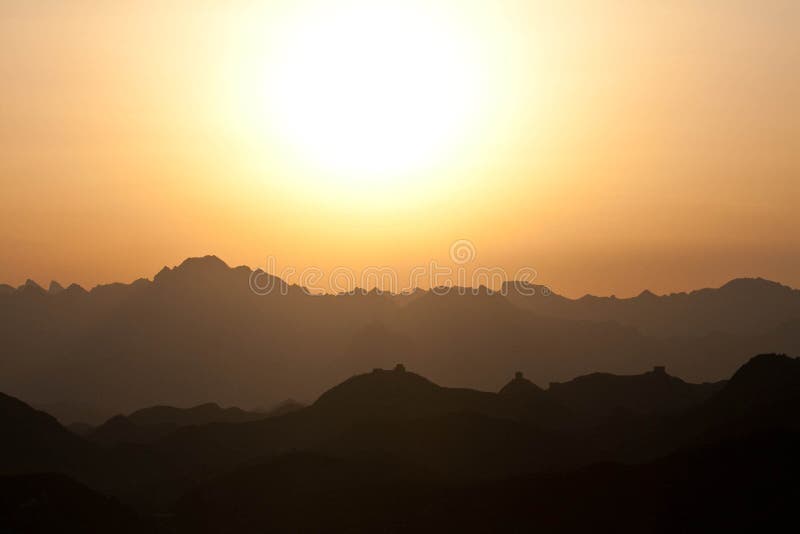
(197,332)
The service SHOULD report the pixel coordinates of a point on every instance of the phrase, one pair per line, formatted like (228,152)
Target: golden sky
(611,145)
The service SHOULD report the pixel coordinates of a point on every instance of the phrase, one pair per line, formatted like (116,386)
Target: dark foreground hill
(45,503)
(197,331)
(389,450)
(732,472)
(744,485)
(33,441)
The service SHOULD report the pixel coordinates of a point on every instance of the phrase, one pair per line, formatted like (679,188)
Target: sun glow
(371,93)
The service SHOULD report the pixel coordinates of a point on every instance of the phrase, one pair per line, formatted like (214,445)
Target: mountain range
(197,331)
(391,450)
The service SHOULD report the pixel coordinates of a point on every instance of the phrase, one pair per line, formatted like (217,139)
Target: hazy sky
(612,145)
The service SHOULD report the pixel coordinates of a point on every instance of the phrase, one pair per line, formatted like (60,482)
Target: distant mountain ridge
(211,267)
(198,331)
(742,305)
(694,313)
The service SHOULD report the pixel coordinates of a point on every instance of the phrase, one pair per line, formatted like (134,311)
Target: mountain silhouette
(521,387)
(391,449)
(31,289)
(149,424)
(34,441)
(742,306)
(54,288)
(766,378)
(655,392)
(763,393)
(198,331)
(398,393)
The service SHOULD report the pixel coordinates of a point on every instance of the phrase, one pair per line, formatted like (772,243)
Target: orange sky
(612,146)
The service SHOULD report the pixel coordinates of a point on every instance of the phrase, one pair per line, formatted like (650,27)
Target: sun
(371,91)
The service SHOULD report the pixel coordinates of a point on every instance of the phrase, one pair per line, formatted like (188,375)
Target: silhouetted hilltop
(211,275)
(31,289)
(763,392)
(521,387)
(655,392)
(398,393)
(54,288)
(198,271)
(74,290)
(765,377)
(754,287)
(34,441)
(526,401)
(206,266)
